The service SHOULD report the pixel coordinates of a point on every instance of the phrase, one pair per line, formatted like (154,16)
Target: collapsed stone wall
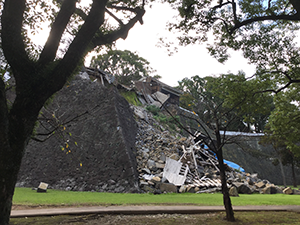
(245,153)
(93,147)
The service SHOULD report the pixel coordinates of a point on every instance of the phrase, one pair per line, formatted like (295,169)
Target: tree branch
(11,34)
(49,52)
(3,114)
(78,48)
(122,32)
(295,17)
(116,18)
(50,133)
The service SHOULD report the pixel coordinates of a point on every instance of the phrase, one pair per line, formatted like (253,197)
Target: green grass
(26,196)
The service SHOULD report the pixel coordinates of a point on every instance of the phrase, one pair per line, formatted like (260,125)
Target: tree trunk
(282,172)
(9,168)
(7,188)
(225,192)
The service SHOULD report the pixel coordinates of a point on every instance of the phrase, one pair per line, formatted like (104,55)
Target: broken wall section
(94,144)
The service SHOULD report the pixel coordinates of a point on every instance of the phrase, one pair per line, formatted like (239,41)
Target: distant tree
(193,99)
(75,29)
(125,65)
(220,102)
(283,156)
(284,125)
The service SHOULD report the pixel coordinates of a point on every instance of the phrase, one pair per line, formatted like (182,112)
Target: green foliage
(263,30)
(125,65)
(162,118)
(229,100)
(285,119)
(153,109)
(131,97)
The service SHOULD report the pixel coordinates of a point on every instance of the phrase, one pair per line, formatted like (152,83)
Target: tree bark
(225,192)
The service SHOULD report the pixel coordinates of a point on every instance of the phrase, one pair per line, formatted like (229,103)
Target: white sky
(187,62)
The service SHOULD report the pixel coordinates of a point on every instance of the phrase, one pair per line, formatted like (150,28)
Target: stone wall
(93,147)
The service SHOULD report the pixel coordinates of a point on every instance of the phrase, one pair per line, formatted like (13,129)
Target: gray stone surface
(94,152)
(233,192)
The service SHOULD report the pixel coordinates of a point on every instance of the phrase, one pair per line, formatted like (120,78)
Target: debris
(180,164)
(42,187)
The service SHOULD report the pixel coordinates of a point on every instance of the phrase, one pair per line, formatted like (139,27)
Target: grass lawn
(27,196)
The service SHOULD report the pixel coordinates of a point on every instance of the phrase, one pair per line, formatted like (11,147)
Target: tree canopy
(285,119)
(264,30)
(125,65)
(76,27)
(231,99)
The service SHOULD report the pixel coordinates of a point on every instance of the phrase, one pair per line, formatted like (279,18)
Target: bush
(131,97)
(153,109)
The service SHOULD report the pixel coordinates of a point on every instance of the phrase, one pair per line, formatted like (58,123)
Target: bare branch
(49,52)
(221,4)
(295,17)
(11,36)
(113,16)
(122,32)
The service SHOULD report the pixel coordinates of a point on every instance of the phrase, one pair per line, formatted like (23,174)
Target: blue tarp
(231,164)
(234,165)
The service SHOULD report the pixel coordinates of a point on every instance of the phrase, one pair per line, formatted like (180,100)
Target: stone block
(233,192)
(42,187)
(288,191)
(269,190)
(167,187)
(260,184)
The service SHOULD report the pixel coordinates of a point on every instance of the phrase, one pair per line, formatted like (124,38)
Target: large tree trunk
(20,122)
(9,172)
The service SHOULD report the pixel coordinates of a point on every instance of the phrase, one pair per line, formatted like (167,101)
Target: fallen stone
(242,188)
(296,192)
(167,187)
(288,191)
(42,187)
(156,179)
(269,190)
(175,157)
(182,189)
(260,184)
(233,192)
(160,165)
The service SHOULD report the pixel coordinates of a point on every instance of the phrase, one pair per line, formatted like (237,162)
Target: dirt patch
(243,218)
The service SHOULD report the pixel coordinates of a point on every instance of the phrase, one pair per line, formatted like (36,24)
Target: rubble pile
(172,163)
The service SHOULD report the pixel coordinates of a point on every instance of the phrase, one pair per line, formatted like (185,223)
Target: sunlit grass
(26,196)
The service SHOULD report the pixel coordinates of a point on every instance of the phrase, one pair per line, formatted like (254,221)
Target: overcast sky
(189,61)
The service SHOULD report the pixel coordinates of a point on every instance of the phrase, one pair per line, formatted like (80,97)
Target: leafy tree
(285,119)
(232,89)
(125,65)
(220,102)
(75,30)
(264,30)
